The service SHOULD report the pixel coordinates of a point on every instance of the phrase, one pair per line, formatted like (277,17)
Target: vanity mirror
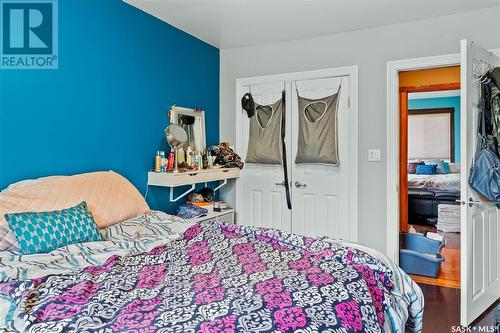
(193,122)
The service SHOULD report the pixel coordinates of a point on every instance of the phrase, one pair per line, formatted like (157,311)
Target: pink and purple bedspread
(216,278)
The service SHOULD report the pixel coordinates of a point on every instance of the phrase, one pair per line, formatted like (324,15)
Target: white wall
(370,49)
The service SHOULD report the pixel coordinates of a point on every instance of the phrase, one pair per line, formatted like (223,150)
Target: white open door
(480,220)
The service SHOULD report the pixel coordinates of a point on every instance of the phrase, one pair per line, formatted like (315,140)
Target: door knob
(473,202)
(280,184)
(299,185)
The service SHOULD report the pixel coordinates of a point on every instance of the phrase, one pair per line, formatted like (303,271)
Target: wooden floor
(449,275)
(442,308)
(442,311)
(442,294)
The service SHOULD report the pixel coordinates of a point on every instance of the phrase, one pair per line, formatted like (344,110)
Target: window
(430,134)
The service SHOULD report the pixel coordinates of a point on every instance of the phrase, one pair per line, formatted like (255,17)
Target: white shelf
(169,179)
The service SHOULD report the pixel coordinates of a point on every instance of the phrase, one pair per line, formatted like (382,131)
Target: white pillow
(27,182)
(454,167)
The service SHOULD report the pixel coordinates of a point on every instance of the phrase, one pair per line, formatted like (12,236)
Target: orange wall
(429,76)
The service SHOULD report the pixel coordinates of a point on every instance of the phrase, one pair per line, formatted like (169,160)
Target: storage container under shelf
(226,216)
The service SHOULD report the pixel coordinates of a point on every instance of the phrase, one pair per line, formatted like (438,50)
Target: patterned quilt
(219,278)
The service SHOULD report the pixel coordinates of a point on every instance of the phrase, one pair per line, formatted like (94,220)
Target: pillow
(454,167)
(110,197)
(42,232)
(412,166)
(440,165)
(446,168)
(426,169)
(28,182)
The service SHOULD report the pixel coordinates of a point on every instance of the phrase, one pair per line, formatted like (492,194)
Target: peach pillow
(110,197)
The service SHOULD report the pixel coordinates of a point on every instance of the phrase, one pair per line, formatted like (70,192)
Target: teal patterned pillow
(46,231)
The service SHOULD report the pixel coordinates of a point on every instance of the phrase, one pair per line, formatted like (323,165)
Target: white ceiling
(235,23)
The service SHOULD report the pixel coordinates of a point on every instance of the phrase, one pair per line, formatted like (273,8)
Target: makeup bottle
(200,161)
(157,162)
(204,159)
(170,161)
(180,156)
(163,165)
(209,159)
(189,156)
(195,160)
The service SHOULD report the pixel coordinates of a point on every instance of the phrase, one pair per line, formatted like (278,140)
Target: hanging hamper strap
(285,167)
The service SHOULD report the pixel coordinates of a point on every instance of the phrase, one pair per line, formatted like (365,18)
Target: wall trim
(352,72)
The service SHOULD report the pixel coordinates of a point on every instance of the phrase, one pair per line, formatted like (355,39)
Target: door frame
(352,73)
(393,139)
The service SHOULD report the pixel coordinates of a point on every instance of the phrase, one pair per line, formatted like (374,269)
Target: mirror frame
(175,111)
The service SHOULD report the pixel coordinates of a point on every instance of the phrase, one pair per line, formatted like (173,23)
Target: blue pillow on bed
(426,169)
(46,231)
(442,166)
(446,168)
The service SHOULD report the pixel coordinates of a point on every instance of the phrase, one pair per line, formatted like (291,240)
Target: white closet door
(261,197)
(321,192)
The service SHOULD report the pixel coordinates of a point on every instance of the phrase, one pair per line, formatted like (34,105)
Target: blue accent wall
(442,102)
(105,108)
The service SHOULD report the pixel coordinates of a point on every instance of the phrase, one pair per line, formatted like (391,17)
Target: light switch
(373,155)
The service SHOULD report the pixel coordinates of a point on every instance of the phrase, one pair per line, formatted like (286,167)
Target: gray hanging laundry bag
(264,142)
(318,130)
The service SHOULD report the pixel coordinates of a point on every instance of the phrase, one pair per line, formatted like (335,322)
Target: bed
(444,182)
(158,273)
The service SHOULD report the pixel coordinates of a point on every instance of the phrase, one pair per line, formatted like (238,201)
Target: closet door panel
(320,195)
(260,198)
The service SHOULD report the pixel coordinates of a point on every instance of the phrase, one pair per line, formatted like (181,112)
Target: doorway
(479,218)
(430,175)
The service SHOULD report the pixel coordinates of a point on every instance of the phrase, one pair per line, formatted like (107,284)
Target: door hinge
(349,101)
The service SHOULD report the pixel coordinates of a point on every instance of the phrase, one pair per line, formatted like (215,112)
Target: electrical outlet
(373,155)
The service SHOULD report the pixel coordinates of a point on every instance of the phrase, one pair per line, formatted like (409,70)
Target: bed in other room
(430,184)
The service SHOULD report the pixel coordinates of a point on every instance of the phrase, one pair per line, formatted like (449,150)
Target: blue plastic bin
(420,255)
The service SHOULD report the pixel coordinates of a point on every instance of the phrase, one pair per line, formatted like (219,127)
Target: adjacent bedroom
(430,206)
(249,166)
